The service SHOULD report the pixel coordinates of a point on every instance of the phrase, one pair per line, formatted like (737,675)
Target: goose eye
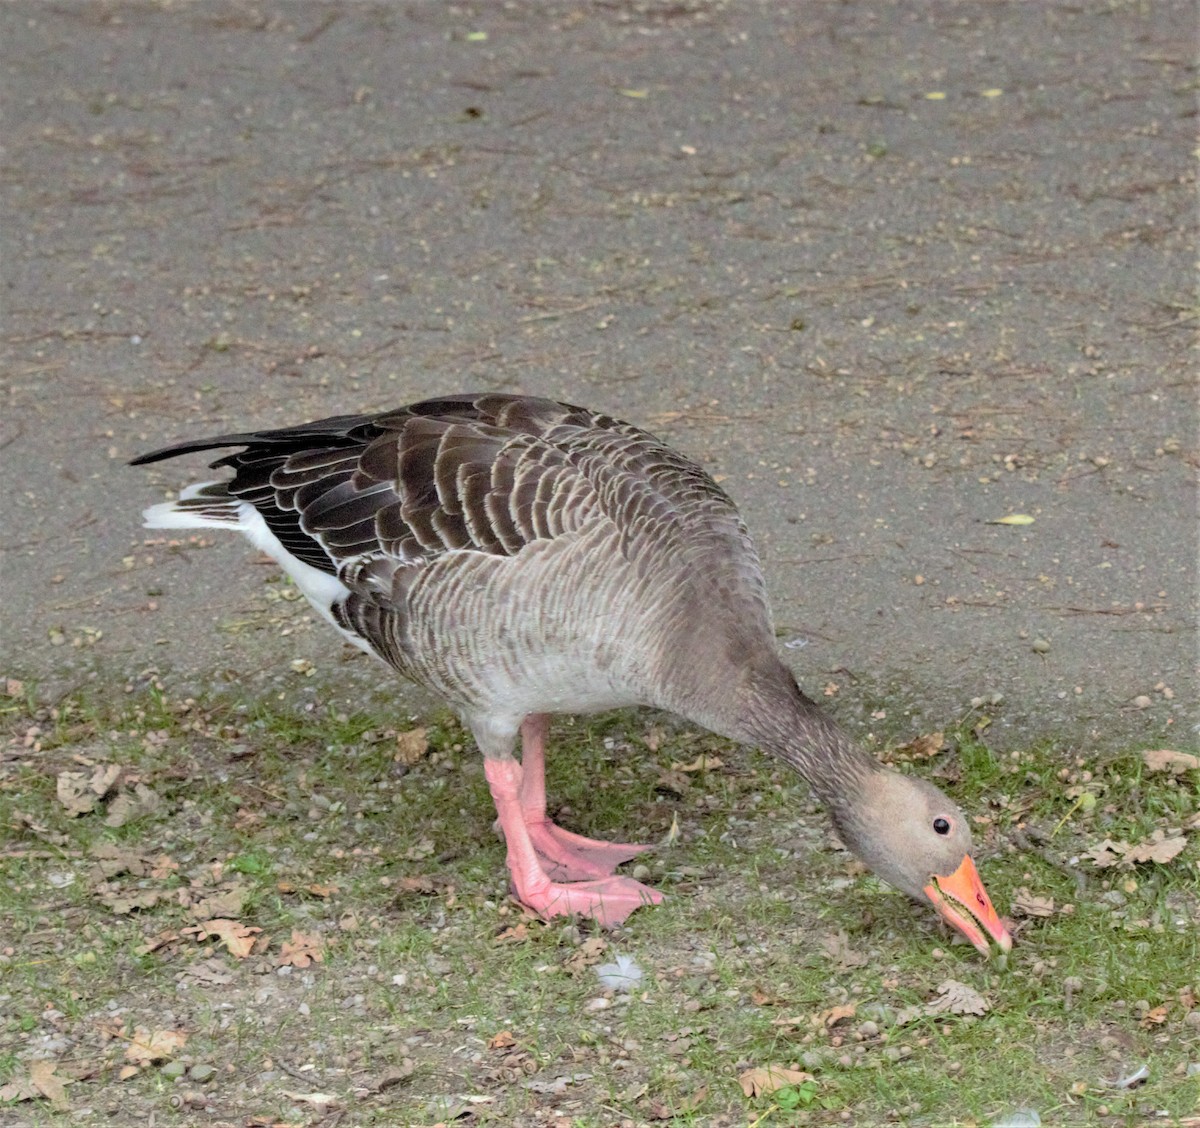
(941,825)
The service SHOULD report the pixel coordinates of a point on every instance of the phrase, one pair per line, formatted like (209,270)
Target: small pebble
(173,1069)
(641,872)
(868,1029)
(202,1073)
(1040,646)
(1141,701)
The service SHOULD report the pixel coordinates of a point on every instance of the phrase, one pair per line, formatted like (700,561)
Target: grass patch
(434,995)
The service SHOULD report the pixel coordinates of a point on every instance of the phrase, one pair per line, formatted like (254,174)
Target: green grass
(308,817)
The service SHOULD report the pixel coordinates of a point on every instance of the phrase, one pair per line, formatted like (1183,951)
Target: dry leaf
(588,953)
(411,746)
(702,763)
(837,948)
(126,901)
(768,1078)
(1026,903)
(145,1048)
(501,1041)
(1156,1016)
(317,1100)
(53,1088)
(1108,853)
(1165,760)
(922,748)
(834,1015)
(957,998)
(1157,848)
(761,998)
(302,950)
(128,806)
(515,934)
(238,938)
(227,903)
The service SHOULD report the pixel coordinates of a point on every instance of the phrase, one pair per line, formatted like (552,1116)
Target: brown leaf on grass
(1166,760)
(761,998)
(922,748)
(514,934)
(1026,903)
(238,938)
(317,1100)
(153,943)
(420,850)
(767,1078)
(147,1047)
(22,1089)
(1107,853)
(126,901)
(702,763)
(227,902)
(52,1087)
(837,948)
(591,951)
(501,1041)
(411,746)
(1155,1016)
(1157,848)
(663,1110)
(302,950)
(130,805)
(831,1017)
(1187,998)
(957,998)
(80,792)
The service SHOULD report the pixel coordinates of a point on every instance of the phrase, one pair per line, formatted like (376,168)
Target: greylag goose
(521,557)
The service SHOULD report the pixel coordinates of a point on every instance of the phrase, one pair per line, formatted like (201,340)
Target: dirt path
(895,272)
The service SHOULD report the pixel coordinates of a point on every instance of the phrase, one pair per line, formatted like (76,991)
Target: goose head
(916,839)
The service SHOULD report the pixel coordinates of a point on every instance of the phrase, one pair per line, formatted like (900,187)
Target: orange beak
(965,889)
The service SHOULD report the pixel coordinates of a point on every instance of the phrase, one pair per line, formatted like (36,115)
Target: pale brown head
(916,839)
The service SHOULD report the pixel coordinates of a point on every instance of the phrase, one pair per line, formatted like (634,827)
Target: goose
(521,557)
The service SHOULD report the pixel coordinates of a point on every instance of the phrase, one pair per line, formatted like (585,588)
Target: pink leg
(609,900)
(567,856)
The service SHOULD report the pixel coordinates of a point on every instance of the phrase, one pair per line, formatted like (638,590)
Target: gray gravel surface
(893,271)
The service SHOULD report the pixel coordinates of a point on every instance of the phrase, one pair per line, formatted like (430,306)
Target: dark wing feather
(488,473)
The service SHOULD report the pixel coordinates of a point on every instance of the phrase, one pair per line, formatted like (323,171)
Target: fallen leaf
(128,806)
(702,763)
(1155,1016)
(317,1100)
(1165,760)
(1013,519)
(302,950)
(922,748)
(514,934)
(1026,903)
(226,903)
(837,948)
(238,938)
(1157,848)
(146,1047)
(52,1087)
(957,998)
(761,998)
(126,901)
(767,1078)
(74,792)
(1108,853)
(502,1040)
(22,1089)
(588,953)
(834,1015)
(411,746)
